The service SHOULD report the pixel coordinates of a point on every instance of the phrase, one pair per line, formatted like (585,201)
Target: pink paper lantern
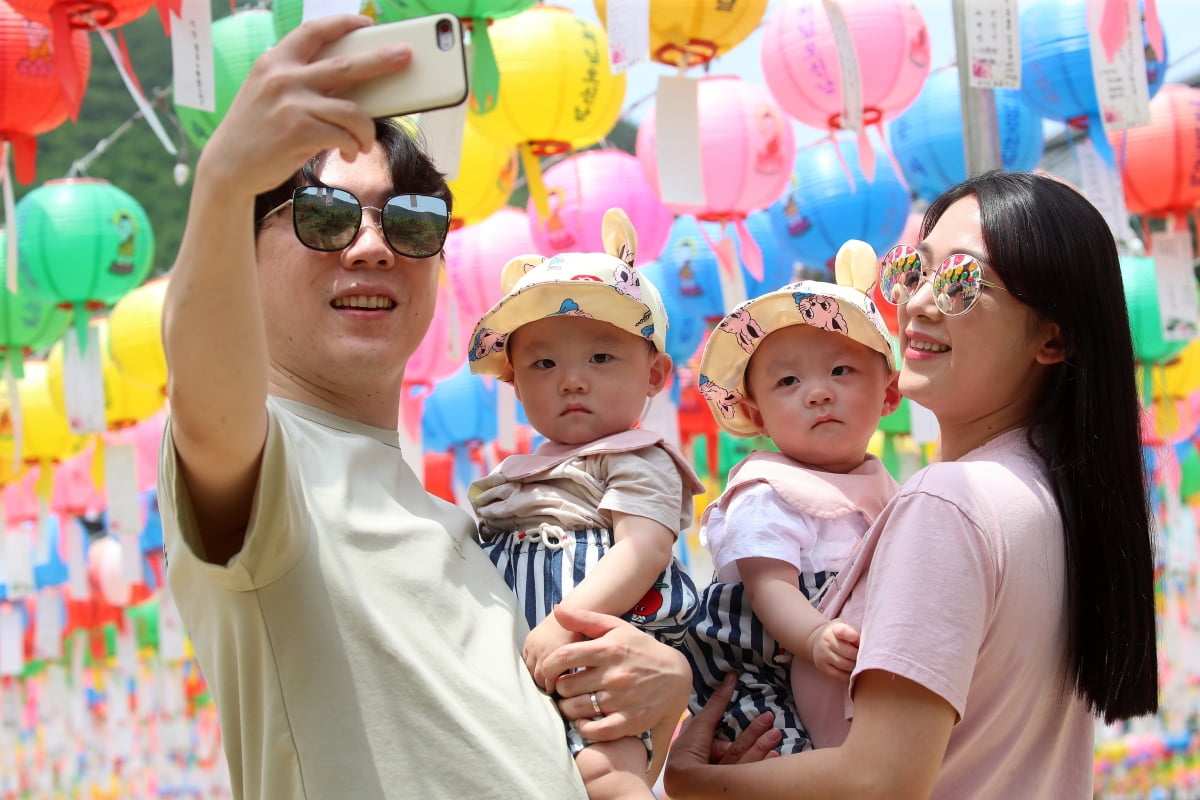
(581,188)
(443,350)
(746,152)
(800,60)
(475,255)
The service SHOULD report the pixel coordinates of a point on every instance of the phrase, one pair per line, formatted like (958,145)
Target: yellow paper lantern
(1181,377)
(126,401)
(46,437)
(692,32)
(557,90)
(487,171)
(10,470)
(135,334)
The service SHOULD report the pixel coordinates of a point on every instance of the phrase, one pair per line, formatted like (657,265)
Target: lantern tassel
(80,319)
(135,92)
(64,59)
(1154,31)
(866,155)
(751,252)
(24,149)
(10,217)
(533,179)
(485,74)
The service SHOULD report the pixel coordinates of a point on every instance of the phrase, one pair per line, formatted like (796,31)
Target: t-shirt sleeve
(759,524)
(931,590)
(277,531)
(647,483)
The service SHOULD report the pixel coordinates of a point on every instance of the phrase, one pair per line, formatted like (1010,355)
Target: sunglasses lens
(957,284)
(415,225)
(900,274)
(325,219)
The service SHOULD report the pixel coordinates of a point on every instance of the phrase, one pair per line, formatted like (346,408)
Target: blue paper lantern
(928,138)
(829,201)
(1056,67)
(459,410)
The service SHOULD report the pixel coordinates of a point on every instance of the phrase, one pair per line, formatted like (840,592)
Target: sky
(1177,16)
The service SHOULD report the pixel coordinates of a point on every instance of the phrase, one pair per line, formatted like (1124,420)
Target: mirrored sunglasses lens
(900,274)
(325,219)
(956,286)
(415,225)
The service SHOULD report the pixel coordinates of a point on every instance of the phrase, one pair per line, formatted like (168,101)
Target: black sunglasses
(327,219)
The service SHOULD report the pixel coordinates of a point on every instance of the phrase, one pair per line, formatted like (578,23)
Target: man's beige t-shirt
(360,645)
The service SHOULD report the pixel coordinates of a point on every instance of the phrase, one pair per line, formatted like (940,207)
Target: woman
(1006,594)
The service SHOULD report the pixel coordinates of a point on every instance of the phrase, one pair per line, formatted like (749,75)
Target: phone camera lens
(445,35)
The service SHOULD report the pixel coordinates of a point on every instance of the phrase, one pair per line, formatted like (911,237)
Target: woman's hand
(639,683)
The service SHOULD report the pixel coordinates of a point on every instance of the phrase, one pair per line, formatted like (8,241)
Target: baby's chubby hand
(543,640)
(835,649)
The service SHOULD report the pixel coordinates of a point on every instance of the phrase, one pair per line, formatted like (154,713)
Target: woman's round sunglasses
(328,219)
(957,282)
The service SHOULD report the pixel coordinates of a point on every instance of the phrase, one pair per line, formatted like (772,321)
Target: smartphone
(435,78)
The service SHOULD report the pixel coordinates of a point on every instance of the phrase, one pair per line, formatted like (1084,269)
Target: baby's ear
(619,236)
(515,269)
(856,265)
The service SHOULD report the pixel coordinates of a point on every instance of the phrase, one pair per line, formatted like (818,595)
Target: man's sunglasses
(328,219)
(957,282)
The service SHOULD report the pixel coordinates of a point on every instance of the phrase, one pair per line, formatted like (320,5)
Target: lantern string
(80,165)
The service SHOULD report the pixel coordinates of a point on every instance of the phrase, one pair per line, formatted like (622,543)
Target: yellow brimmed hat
(828,306)
(603,286)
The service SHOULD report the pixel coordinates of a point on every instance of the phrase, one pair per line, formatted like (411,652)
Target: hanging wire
(157,98)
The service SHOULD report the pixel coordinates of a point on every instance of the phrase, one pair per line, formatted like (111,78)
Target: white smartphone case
(435,78)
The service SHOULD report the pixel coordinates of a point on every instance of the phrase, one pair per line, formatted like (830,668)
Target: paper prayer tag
(852,102)
(83,383)
(627,23)
(993,44)
(192,56)
(677,141)
(1176,279)
(1121,86)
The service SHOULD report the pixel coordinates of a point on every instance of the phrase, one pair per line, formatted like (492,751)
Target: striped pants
(726,636)
(542,566)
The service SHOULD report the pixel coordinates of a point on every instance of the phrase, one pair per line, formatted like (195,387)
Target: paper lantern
(237,41)
(126,401)
(31,92)
(692,32)
(459,411)
(105,573)
(476,254)
(830,201)
(1056,67)
(746,149)
(557,90)
(801,70)
(1145,323)
(927,139)
(443,349)
(46,437)
(29,320)
(85,243)
(135,334)
(581,188)
(1159,162)
(487,172)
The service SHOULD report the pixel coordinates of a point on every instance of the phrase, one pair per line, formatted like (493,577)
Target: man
(356,640)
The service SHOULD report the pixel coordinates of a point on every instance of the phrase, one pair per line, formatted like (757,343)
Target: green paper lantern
(898,421)
(237,41)
(85,243)
(1189,468)
(144,618)
(29,320)
(1145,323)
(286,15)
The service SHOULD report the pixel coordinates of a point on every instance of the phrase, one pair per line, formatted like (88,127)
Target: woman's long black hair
(1055,252)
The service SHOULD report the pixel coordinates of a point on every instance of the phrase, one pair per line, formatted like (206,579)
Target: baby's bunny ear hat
(603,286)
(844,307)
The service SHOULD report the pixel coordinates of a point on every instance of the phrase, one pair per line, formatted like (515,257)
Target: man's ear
(660,373)
(891,394)
(1053,349)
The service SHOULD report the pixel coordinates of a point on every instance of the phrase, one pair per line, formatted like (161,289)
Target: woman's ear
(1053,347)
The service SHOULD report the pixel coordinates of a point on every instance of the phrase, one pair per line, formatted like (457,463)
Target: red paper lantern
(1160,162)
(31,95)
(66,18)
